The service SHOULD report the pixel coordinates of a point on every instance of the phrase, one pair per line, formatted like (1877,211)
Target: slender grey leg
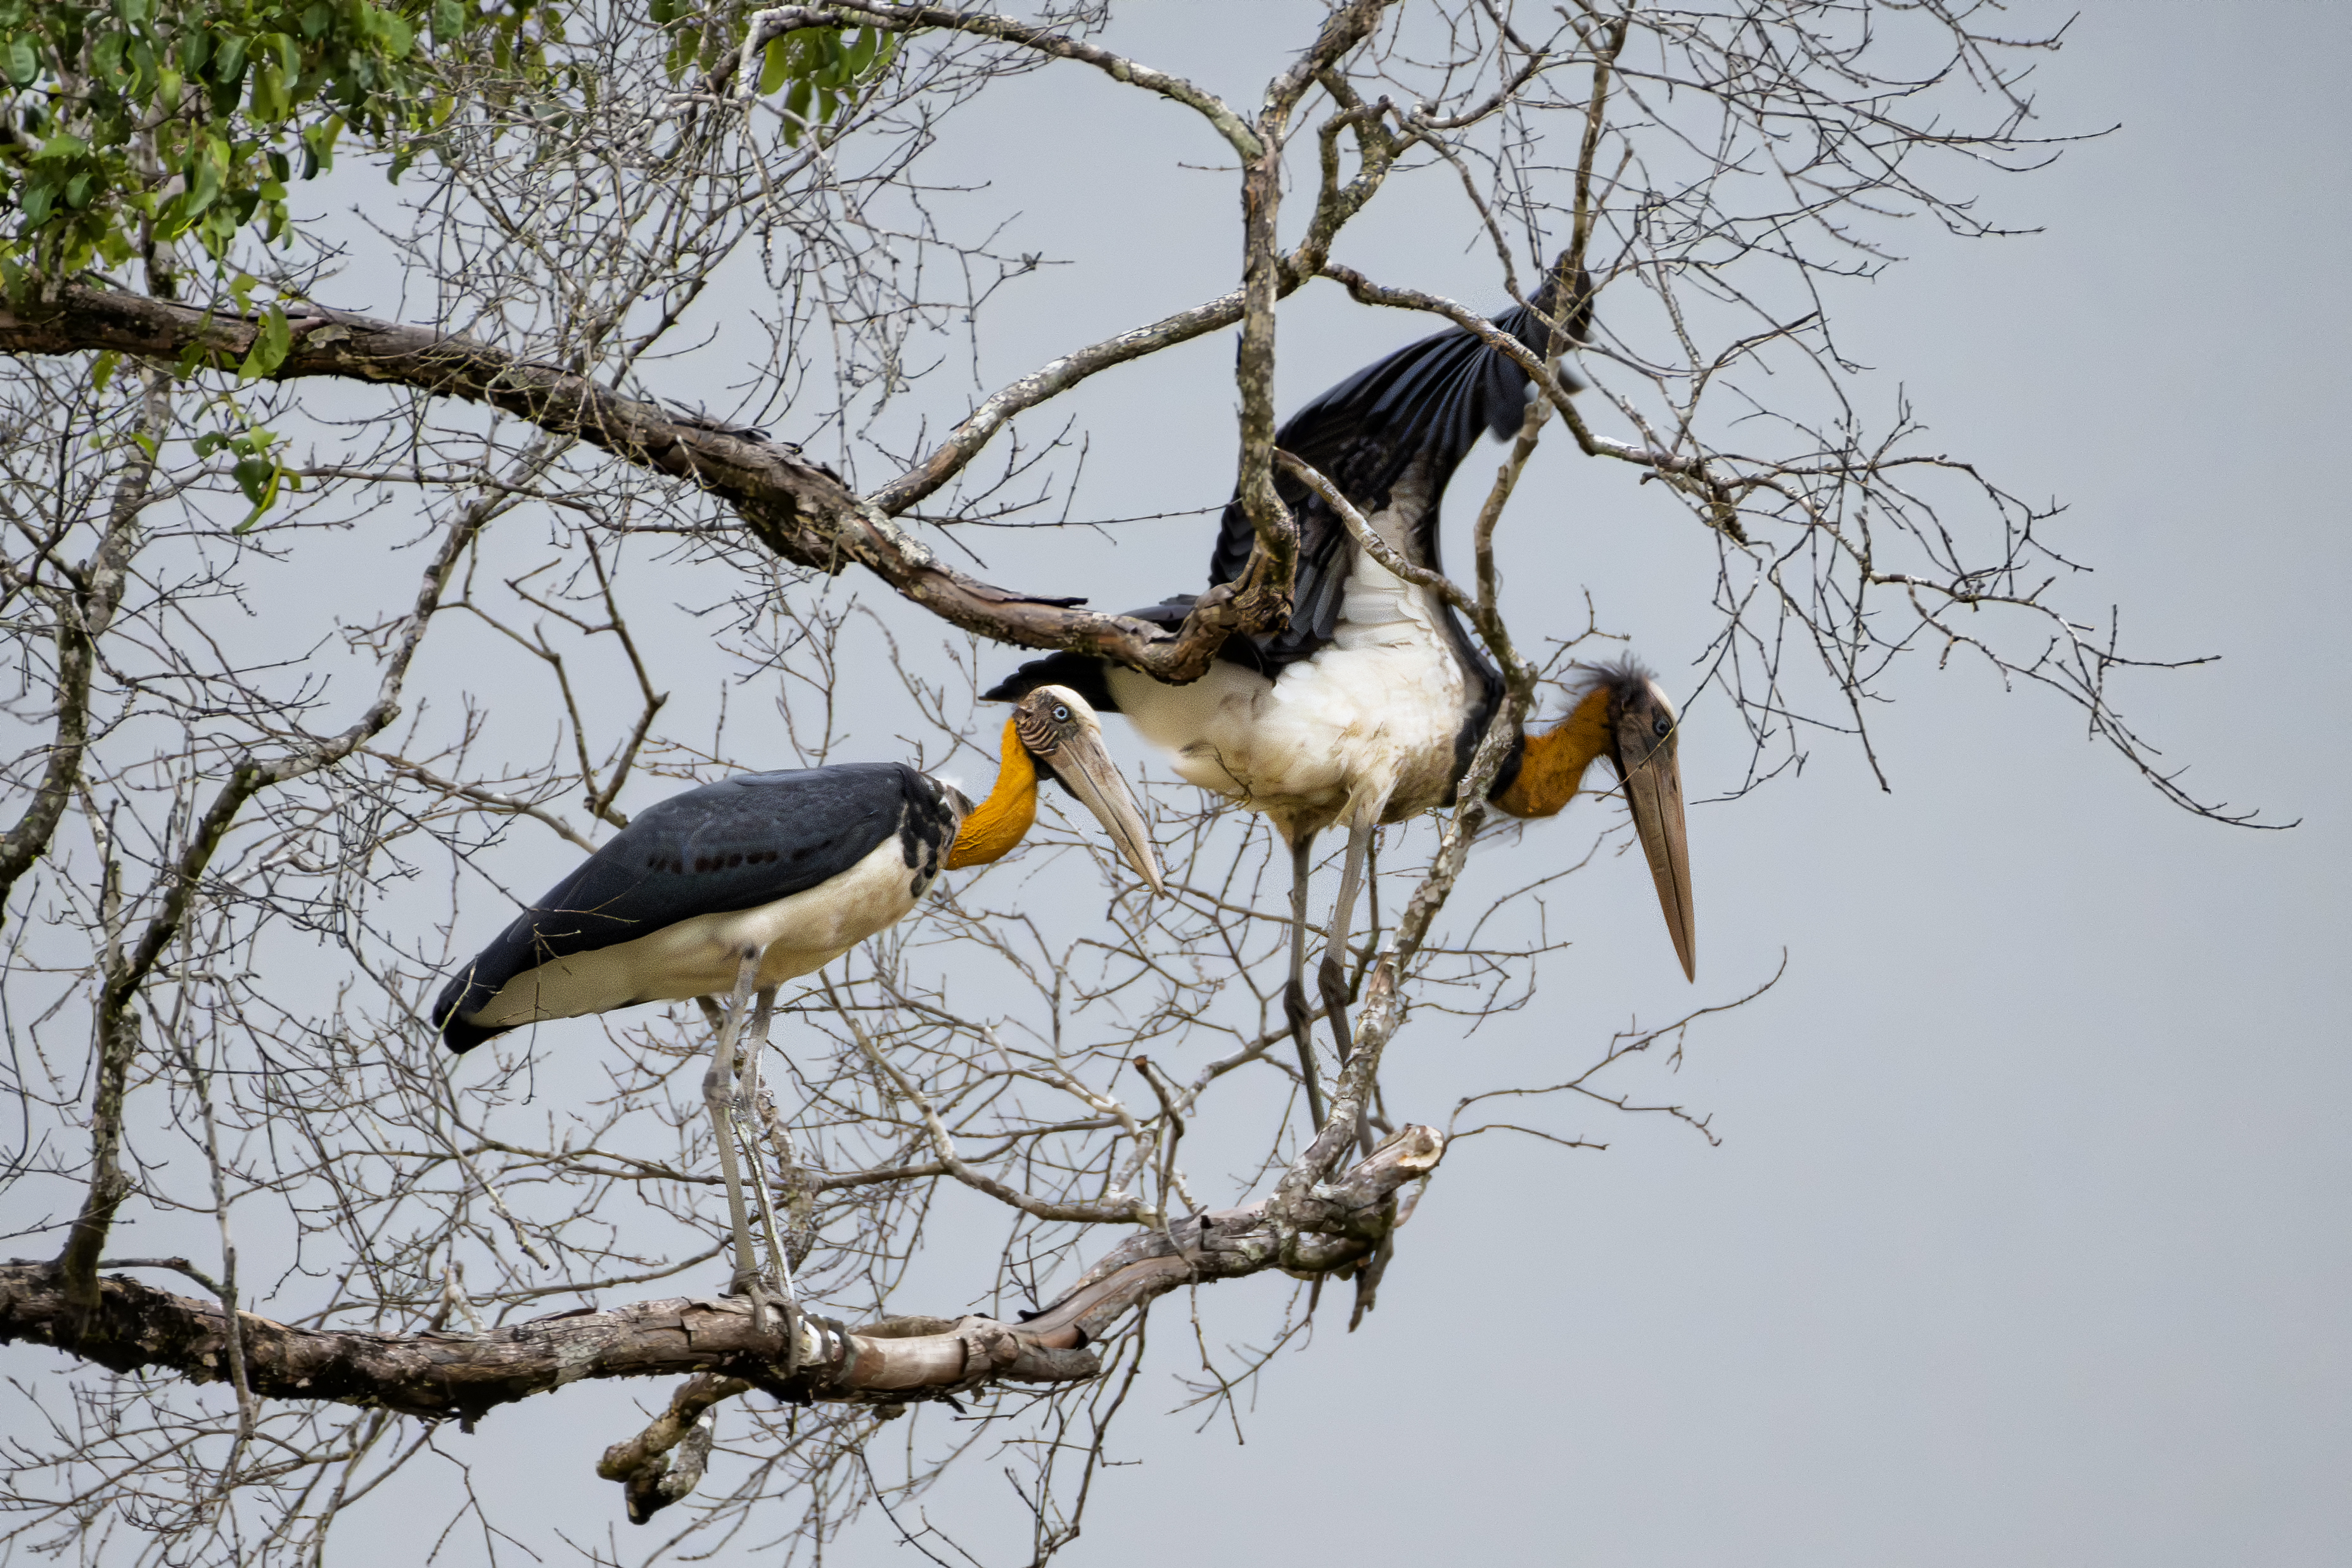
(1332,976)
(748,1071)
(717,1092)
(755,1111)
(1293,994)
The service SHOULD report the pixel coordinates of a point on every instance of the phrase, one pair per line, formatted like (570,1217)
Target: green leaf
(253,475)
(319,147)
(271,102)
(22,63)
(107,59)
(772,67)
(102,370)
(271,344)
(261,479)
(204,178)
(682,53)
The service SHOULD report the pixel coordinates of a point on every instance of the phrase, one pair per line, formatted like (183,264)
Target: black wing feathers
(736,844)
(1427,402)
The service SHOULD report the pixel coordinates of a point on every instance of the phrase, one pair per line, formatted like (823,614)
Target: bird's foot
(836,1350)
(772,1309)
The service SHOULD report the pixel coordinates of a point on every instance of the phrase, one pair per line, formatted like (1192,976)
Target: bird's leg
(748,1072)
(1332,977)
(718,1095)
(1293,995)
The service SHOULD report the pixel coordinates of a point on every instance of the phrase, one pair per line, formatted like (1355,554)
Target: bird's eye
(1659,728)
(1060,714)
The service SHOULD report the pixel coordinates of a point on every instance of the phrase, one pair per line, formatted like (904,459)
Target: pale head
(1057,728)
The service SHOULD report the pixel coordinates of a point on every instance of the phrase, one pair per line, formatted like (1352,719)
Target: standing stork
(738,886)
(1366,707)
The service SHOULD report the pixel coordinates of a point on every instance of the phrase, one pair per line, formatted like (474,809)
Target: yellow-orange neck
(997,823)
(1554,763)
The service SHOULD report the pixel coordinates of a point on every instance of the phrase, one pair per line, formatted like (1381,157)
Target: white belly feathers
(697,957)
(1374,715)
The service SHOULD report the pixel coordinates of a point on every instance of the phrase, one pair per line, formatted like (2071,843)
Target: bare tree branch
(136,1328)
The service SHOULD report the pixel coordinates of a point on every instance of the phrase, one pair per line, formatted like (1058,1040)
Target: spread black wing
(1427,402)
(736,844)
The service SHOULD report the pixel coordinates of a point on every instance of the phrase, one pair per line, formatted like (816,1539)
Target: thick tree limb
(134,1327)
(792,507)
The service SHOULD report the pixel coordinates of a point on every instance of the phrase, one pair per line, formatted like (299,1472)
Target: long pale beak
(1655,791)
(1082,764)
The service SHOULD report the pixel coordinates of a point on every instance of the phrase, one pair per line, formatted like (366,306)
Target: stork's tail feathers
(466,991)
